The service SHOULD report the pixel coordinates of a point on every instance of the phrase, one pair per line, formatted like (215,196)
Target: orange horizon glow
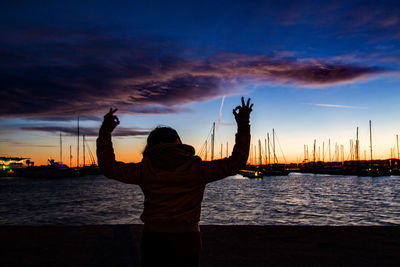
(39,158)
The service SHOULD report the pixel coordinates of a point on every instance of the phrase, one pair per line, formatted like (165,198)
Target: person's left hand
(110,121)
(242,113)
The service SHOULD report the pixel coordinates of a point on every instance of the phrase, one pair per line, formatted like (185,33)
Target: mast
(319,153)
(336,152)
(221,150)
(342,152)
(250,153)
(315,144)
(323,151)
(273,144)
(398,155)
(212,141)
(83,150)
(206,151)
(329,141)
(70,157)
(60,149)
(370,140)
(77,152)
(357,147)
(255,155)
(351,149)
(227,155)
(265,151)
(259,151)
(269,152)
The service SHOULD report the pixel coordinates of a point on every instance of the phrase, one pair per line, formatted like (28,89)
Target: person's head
(162,135)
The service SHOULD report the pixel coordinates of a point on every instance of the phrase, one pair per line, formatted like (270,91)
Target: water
(298,199)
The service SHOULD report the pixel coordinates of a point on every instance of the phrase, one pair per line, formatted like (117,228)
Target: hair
(160,135)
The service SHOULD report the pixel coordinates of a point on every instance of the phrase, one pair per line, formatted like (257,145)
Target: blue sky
(314,69)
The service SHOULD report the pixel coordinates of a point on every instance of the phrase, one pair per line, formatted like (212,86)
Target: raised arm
(218,169)
(124,172)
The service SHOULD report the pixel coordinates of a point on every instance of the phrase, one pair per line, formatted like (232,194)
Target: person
(173,180)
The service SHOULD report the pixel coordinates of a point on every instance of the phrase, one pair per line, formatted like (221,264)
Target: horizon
(314,71)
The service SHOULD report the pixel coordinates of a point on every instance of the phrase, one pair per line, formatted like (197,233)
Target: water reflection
(307,199)
(289,200)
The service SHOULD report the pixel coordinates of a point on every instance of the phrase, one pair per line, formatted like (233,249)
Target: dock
(223,245)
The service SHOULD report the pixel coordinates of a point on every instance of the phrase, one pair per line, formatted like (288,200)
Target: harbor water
(297,199)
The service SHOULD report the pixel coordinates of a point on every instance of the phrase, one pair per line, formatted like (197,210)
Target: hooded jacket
(172,179)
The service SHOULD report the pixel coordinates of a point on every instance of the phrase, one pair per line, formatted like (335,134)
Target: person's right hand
(243,116)
(110,121)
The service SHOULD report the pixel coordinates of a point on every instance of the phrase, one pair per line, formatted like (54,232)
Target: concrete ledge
(238,245)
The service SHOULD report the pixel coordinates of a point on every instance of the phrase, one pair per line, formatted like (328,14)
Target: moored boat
(251,173)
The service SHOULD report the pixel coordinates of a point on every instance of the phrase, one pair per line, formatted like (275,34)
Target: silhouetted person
(173,180)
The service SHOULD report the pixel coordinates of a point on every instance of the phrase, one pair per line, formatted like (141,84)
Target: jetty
(228,245)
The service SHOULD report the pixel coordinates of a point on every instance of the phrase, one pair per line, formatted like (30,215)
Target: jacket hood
(169,156)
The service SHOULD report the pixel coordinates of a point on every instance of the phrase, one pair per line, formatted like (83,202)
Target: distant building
(7,164)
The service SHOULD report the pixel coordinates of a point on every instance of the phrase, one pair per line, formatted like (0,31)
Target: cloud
(334,106)
(19,143)
(379,15)
(120,131)
(64,74)
(67,119)
(372,21)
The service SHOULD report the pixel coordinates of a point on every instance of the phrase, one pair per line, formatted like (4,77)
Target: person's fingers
(115,110)
(242,101)
(248,102)
(235,110)
(251,106)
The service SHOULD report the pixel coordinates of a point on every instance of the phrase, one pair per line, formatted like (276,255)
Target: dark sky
(68,58)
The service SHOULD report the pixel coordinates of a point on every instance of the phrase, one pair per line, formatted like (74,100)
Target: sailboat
(58,170)
(274,169)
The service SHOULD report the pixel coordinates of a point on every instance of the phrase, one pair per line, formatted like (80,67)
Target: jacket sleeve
(124,172)
(218,169)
